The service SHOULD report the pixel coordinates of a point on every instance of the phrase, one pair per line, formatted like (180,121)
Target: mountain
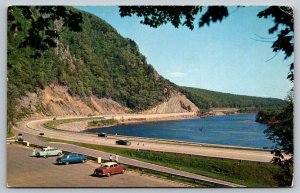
(95,71)
(206,99)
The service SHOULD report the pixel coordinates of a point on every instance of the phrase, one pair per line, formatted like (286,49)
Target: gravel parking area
(26,171)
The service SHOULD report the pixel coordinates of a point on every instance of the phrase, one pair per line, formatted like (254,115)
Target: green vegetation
(247,173)
(206,99)
(96,61)
(10,134)
(266,116)
(281,132)
(179,179)
(102,122)
(54,123)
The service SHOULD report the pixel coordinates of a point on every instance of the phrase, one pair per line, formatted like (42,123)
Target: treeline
(206,99)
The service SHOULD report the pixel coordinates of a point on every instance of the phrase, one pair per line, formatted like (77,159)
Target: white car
(48,151)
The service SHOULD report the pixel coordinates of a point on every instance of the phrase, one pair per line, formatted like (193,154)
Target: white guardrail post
(99,160)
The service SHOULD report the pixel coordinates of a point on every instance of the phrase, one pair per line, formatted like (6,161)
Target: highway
(35,127)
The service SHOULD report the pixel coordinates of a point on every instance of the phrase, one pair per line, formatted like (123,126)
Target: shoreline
(82,126)
(126,119)
(138,121)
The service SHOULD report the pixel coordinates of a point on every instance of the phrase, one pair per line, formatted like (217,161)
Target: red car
(108,168)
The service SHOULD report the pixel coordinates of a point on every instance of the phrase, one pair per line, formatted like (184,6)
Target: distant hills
(98,71)
(206,99)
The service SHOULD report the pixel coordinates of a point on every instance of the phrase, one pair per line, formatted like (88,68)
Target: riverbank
(123,119)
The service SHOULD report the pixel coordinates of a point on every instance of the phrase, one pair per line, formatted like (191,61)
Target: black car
(102,135)
(20,137)
(123,142)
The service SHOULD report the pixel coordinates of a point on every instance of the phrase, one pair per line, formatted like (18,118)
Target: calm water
(236,130)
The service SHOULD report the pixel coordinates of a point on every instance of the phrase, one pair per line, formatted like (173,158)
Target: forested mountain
(206,99)
(93,65)
(97,60)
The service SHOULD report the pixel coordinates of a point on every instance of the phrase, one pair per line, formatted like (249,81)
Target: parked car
(48,151)
(71,158)
(109,168)
(20,137)
(123,142)
(102,135)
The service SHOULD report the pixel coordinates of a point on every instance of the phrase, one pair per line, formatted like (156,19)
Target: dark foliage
(281,132)
(155,16)
(284,28)
(42,34)
(206,99)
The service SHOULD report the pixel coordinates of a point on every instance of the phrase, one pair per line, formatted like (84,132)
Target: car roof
(46,148)
(71,154)
(109,163)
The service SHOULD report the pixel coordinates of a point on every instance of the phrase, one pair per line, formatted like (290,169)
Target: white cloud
(177,74)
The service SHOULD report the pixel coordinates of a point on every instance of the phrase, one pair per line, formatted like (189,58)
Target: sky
(226,56)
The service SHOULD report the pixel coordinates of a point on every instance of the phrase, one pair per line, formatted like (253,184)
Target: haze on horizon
(233,56)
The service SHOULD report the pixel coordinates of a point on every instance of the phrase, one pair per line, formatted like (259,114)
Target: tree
(42,34)
(281,130)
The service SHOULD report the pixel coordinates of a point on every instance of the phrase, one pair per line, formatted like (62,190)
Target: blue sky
(223,57)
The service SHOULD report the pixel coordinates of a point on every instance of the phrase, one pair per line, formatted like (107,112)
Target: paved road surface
(26,171)
(94,153)
(35,127)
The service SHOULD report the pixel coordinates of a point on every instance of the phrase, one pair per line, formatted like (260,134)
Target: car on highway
(46,152)
(20,137)
(71,158)
(102,135)
(123,142)
(109,168)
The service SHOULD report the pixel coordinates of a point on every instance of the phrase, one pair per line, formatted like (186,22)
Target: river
(234,130)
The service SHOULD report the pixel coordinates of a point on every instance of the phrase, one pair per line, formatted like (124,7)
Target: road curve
(35,127)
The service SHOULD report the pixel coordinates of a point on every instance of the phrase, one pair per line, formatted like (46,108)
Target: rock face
(177,103)
(56,100)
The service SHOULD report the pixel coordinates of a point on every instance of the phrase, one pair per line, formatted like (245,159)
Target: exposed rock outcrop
(177,103)
(56,100)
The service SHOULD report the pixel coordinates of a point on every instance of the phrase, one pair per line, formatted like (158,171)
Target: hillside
(96,71)
(206,99)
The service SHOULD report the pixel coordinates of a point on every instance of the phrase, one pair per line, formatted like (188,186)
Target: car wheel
(37,154)
(123,171)
(67,163)
(108,174)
